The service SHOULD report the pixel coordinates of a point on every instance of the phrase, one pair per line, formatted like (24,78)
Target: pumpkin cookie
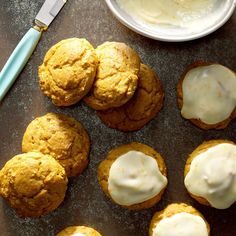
(133,176)
(208,180)
(78,231)
(117,76)
(33,184)
(62,137)
(141,108)
(206,95)
(68,71)
(179,219)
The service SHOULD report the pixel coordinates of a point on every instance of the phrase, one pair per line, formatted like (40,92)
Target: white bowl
(224,11)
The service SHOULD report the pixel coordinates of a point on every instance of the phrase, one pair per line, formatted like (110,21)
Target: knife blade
(26,46)
(48,11)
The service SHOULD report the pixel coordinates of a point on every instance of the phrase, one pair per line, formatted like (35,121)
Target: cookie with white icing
(179,219)
(210,173)
(133,176)
(78,231)
(206,95)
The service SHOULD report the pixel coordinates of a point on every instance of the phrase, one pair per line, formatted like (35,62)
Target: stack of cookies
(110,79)
(54,147)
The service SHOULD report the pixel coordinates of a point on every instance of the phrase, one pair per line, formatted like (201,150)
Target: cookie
(208,180)
(133,176)
(117,76)
(179,219)
(62,137)
(141,108)
(33,184)
(206,95)
(68,71)
(78,231)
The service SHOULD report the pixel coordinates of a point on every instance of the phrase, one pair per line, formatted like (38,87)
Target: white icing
(209,94)
(134,178)
(212,175)
(183,224)
(173,15)
(173,12)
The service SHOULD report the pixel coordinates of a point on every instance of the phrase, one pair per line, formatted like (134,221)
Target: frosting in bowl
(174,20)
(171,12)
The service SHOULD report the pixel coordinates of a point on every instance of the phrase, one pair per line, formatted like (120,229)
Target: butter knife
(26,46)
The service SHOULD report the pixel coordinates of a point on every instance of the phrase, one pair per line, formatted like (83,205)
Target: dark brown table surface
(168,133)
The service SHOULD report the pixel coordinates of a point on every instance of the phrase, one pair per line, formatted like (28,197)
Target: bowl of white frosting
(172,20)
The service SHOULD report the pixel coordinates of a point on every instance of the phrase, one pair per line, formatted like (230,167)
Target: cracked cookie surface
(74,230)
(141,108)
(116,78)
(62,137)
(33,184)
(68,71)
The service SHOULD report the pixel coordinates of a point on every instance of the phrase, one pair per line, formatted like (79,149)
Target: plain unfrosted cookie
(106,165)
(68,71)
(33,184)
(62,137)
(141,108)
(172,210)
(117,76)
(78,231)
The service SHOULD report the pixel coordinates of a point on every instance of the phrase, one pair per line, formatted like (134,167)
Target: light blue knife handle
(17,60)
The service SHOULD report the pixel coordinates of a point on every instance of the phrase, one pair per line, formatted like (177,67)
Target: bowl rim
(169,38)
